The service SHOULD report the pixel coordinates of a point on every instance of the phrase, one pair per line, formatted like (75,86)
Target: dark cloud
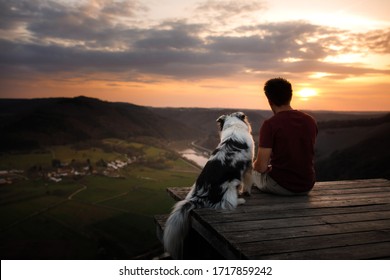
(168,39)
(241,45)
(377,41)
(91,23)
(167,62)
(106,37)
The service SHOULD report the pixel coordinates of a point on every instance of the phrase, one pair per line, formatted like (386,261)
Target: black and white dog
(227,171)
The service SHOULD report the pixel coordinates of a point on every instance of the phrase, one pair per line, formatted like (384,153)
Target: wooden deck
(338,220)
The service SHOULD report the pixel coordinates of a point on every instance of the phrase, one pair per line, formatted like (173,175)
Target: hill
(354,149)
(34,123)
(349,145)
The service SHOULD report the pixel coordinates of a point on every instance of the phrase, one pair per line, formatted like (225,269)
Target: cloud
(377,41)
(62,38)
(91,23)
(224,11)
(168,39)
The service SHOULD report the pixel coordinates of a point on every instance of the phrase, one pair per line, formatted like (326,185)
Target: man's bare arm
(261,164)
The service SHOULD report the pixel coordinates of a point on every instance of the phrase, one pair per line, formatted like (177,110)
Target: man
(284,163)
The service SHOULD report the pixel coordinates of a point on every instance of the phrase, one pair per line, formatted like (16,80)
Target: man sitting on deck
(285,158)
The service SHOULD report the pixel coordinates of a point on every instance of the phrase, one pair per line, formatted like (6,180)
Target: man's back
(291,135)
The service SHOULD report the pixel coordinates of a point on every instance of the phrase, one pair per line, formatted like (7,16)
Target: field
(91,216)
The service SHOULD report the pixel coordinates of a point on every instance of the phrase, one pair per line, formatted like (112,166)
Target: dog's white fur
(228,169)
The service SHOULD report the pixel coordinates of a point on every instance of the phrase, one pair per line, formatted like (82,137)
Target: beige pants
(268,185)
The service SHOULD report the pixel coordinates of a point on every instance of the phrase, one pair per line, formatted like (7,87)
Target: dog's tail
(176,228)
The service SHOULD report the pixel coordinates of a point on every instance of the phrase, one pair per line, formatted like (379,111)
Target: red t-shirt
(291,135)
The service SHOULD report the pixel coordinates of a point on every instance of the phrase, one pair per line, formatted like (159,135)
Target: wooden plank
(264,248)
(351,191)
(301,221)
(262,234)
(268,198)
(351,183)
(358,182)
(233,216)
(380,250)
(287,205)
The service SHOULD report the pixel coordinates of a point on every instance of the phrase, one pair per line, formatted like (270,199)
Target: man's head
(278,91)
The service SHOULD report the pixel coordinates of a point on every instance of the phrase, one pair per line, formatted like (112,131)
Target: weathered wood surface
(337,220)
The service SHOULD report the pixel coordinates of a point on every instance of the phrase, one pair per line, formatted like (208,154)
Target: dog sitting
(227,171)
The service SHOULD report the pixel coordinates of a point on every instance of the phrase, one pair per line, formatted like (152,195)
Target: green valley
(74,202)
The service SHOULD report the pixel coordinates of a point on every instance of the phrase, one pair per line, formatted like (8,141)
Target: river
(197,157)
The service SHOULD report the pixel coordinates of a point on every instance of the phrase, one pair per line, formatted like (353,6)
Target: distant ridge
(32,123)
(350,145)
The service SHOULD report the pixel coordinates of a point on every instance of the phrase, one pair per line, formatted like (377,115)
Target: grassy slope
(111,218)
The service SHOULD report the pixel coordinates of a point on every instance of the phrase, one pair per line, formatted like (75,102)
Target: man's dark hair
(278,91)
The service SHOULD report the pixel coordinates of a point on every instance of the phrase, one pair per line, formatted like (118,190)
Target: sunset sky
(198,53)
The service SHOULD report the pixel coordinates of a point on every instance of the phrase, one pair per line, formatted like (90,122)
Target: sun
(306,93)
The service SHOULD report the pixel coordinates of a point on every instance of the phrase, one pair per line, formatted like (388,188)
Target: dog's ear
(221,121)
(241,116)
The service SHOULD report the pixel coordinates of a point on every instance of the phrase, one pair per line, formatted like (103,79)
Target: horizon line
(190,107)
